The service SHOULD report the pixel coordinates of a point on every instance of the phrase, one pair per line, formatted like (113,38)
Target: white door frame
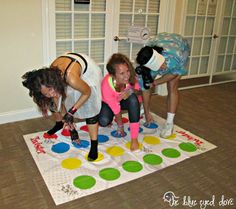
(49,33)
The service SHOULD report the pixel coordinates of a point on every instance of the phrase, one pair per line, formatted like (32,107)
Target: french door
(138,13)
(75,27)
(100,28)
(97,29)
(209,26)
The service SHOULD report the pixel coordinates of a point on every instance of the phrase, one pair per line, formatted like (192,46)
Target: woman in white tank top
(70,87)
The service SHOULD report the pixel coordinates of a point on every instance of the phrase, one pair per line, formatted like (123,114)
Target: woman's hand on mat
(119,133)
(120,130)
(149,119)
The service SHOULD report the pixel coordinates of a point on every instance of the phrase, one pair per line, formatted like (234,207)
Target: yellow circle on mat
(100,157)
(129,143)
(115,151)
(171,137)
(71,163)
(151,140)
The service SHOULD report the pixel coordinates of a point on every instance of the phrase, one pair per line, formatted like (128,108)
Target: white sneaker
(167,130)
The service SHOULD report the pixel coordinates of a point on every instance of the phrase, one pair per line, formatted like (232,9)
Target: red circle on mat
(124,120)
(65,132)
(48,136)
(84,128)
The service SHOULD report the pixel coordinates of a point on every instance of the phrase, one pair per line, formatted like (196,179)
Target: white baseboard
(13,116)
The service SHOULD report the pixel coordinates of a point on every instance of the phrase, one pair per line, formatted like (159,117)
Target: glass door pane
(198,30)
(227,42)
(136,13)
(81,28)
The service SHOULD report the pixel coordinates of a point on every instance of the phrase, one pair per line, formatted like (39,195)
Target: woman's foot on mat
(167,130)
(134,145)
(93,153)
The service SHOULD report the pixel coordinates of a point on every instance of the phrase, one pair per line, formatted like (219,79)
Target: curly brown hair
(117,59)
(49,77)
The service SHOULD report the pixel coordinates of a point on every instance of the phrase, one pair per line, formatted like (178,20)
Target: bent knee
(133,100)
(92,120)
(103,121)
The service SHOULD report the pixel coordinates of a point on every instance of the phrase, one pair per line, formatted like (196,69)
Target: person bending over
(164,57)
(70,87)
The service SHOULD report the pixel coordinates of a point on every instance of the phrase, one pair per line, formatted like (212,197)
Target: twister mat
(69,176)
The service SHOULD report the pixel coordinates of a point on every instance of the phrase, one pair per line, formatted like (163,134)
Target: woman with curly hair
(119,88)
(69,88)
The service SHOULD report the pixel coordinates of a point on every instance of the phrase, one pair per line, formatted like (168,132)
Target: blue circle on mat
(140,129)
(151,125)
(83,144)
(60,147)
(113,133)
(102,138)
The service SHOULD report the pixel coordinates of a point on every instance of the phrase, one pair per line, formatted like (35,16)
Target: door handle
(116,38)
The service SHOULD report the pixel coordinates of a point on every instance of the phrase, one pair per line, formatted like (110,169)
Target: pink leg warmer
(134,130)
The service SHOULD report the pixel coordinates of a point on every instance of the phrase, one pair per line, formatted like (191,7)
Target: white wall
(21,50)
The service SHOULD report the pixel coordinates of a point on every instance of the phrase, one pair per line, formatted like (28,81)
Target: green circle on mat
(171,153)
(84,182)
(109,174)
(152,159)
(188,147)
(132,166)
